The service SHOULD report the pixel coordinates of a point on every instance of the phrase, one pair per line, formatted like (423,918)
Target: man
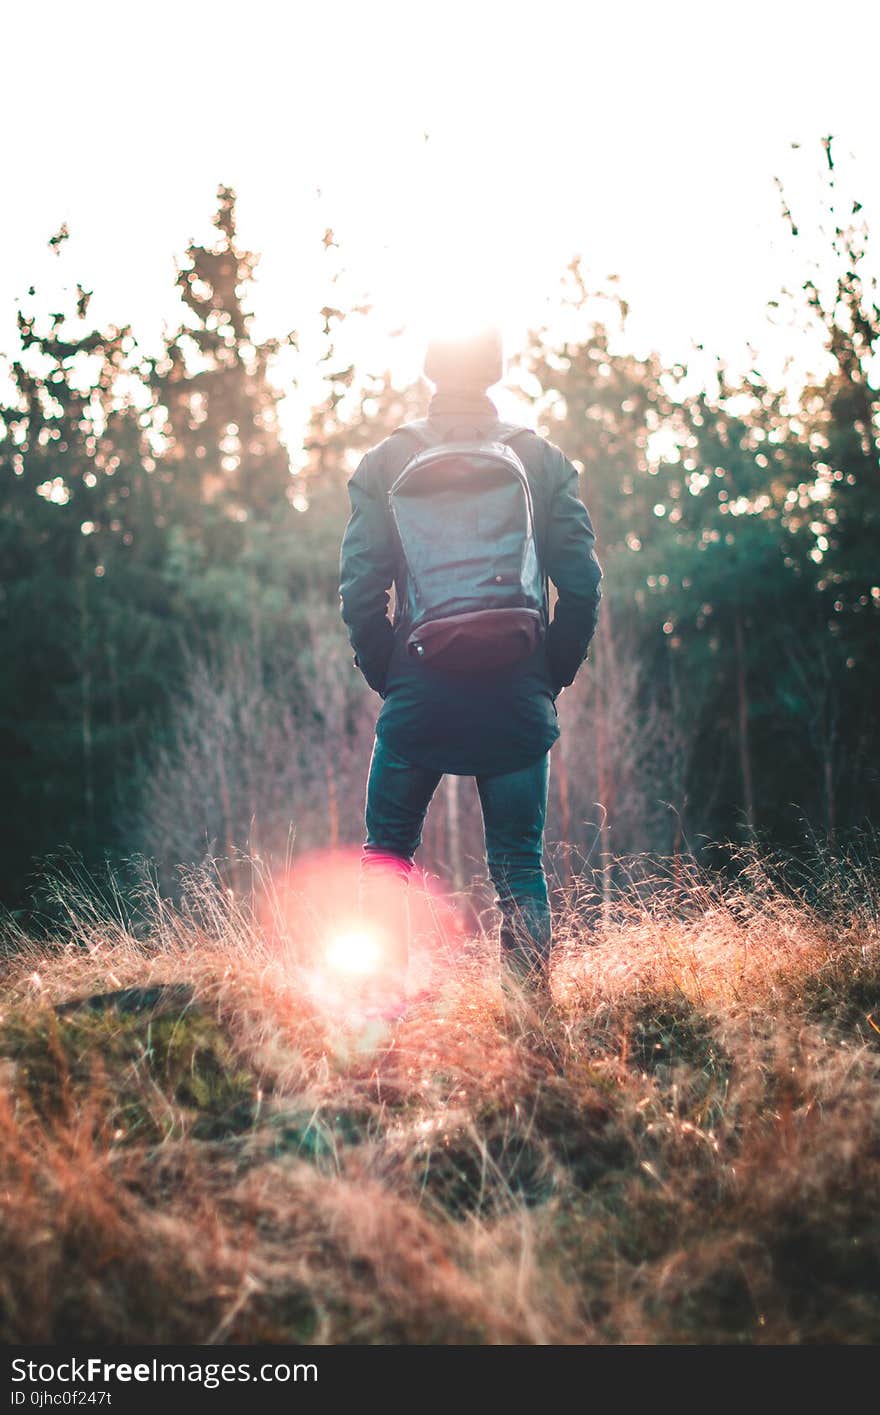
(496,725)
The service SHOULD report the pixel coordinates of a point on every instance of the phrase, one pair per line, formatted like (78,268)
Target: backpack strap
(421,430)
(505,432)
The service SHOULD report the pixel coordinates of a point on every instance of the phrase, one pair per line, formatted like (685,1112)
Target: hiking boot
(525,983)
(385,998)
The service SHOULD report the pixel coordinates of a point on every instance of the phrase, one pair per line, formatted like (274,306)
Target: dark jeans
(514,809)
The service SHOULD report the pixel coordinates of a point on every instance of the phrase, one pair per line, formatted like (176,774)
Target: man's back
(468,723)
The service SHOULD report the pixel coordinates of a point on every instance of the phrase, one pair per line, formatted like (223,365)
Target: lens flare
(354,951)
(336,953)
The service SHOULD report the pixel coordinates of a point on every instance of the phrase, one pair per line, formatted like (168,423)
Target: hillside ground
(686,1149)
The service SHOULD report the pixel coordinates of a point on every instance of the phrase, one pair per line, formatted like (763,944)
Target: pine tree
(217,409)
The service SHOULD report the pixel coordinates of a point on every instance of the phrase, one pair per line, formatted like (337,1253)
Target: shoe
(391,1012)
(386,1000)
(525,984)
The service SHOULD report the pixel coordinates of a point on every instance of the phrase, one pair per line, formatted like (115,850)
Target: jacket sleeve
(366,573)
(572,566)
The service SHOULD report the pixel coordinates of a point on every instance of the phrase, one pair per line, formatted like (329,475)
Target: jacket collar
(452,402)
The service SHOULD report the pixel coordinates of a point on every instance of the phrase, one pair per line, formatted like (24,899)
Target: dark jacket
(479,723)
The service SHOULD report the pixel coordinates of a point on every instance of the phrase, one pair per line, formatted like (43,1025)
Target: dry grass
(686,1150)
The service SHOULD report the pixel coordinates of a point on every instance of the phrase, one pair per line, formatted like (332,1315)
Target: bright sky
(644,136)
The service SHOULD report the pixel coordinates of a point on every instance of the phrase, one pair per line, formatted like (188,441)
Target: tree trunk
(829,797)
(85,679)
(452,785)
(742,698)
(828,756)
(678,770)
(226,807)
(603,777)
(116,715)
(332,804)
(560,771)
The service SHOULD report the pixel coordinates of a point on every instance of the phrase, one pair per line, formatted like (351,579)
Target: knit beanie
(471,363)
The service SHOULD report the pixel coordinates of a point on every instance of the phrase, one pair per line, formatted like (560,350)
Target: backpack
(474,593)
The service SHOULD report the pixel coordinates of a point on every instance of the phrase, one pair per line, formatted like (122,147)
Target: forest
(203,1137)
(177,682)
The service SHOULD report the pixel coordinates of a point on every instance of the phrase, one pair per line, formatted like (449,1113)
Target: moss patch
(138,1074)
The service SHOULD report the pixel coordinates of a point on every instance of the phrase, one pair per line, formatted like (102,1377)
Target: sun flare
(353,951)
